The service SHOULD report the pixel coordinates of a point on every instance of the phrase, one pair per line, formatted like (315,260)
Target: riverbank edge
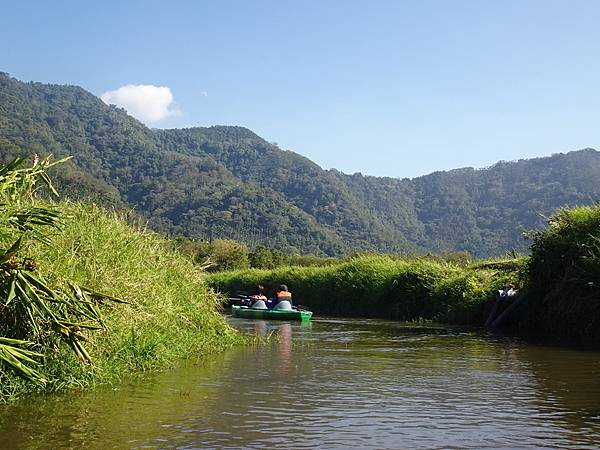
(386,287)
(559,284)
(171,314)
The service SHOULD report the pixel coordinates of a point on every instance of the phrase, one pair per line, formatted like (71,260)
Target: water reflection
(284,351)
(337,384)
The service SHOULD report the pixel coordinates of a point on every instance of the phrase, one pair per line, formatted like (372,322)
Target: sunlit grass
(170,313)
(382,286)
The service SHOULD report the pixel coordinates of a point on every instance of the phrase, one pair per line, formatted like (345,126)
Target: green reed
(58,331)
(381,286)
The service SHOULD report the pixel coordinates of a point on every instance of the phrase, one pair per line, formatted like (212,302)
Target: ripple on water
(338,384)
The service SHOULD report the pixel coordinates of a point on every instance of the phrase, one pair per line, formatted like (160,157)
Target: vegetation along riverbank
(385,287)
(560,281)
(87,299)
(564,279)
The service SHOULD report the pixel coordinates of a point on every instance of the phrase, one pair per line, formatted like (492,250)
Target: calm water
(337,384)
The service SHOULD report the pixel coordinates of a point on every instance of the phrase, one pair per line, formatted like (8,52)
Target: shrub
(564,277)
(227,254)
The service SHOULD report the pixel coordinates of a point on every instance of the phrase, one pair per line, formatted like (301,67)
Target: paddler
(282,299)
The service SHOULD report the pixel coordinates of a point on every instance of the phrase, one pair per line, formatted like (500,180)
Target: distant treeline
(228,254)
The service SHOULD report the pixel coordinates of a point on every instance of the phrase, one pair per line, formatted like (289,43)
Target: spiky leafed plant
(33,314)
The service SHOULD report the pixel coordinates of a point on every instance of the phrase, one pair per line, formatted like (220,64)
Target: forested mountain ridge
(484,211)
(302,182)
(228,182)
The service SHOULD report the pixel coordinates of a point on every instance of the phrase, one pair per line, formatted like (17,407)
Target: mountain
(228,182)
(483,211)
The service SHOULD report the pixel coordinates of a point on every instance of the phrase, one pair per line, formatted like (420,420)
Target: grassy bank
(381,286)
(564,279)
(170,312)
(560,280)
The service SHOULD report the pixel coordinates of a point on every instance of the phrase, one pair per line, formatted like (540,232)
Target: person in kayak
(260,293)
(282,299)
(259,298)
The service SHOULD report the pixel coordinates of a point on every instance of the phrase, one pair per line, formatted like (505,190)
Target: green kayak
(274,314)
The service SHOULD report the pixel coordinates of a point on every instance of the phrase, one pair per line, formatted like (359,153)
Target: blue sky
(393,88)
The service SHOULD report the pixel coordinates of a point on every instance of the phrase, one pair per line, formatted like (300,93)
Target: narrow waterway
(336,383)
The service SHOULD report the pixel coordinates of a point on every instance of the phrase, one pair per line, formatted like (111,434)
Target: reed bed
(381,286)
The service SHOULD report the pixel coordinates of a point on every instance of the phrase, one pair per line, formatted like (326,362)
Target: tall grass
(33,312)
(564,278)
(170,312)
(381,286)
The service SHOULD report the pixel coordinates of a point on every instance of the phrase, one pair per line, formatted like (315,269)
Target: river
(336,384)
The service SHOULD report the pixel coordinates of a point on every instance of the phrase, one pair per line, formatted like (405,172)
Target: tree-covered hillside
(228,182)
(120,161)
(484,211)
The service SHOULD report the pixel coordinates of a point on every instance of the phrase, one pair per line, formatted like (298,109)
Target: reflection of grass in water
(136,411)
(206,396)
(569,380)
(373,345)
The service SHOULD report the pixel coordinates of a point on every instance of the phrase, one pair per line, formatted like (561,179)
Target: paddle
(241,299)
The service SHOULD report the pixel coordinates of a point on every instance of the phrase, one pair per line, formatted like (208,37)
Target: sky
(386,88)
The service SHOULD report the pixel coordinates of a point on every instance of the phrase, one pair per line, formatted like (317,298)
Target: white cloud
(145,102)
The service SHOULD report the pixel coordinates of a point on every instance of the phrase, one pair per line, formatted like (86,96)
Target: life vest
(258,297)
(284,295)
